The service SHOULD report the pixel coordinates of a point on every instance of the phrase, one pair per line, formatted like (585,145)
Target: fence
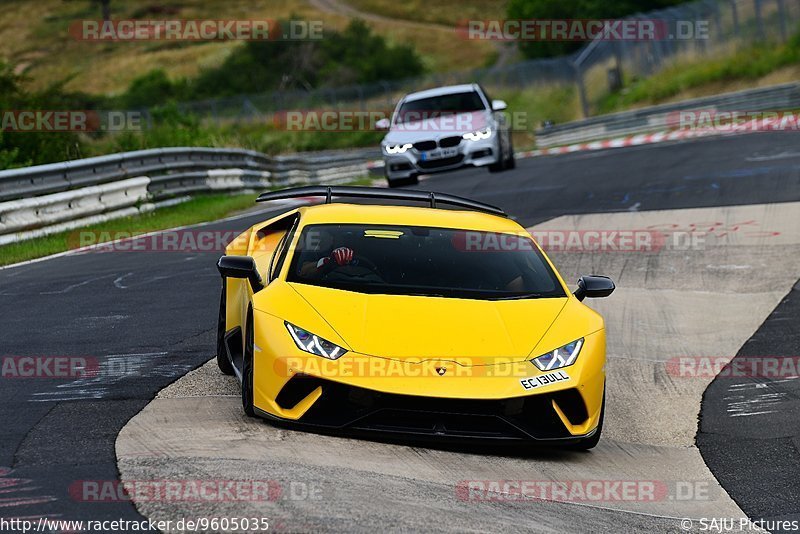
(598,67)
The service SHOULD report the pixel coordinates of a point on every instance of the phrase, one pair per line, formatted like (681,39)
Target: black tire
(247,368)
(500,165)
(512,161)
(223,362)
(592,441)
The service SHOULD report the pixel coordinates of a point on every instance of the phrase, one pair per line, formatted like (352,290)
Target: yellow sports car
(410,320)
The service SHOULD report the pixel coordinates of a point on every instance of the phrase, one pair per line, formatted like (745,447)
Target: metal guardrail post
(759,19)
(579,81)
(782,20)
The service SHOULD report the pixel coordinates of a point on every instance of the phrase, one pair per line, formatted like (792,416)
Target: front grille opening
(296,389)
(425,145)
(447,142)
(442,424)
(571,403)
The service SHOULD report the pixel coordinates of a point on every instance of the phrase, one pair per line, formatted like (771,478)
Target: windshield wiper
(525,296)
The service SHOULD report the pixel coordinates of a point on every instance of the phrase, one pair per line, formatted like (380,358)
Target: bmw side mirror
(499,105)
(382,124)
(594,286)
(241,267)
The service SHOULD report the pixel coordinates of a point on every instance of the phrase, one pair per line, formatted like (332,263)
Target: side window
(282,251)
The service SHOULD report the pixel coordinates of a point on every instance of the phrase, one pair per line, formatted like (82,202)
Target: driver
(338,257)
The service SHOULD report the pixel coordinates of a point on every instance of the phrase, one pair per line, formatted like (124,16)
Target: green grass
(35,35)
(743,65)
(533,106)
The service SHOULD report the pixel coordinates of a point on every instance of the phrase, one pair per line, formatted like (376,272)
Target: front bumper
(474,153)
(349,409)
(479,402)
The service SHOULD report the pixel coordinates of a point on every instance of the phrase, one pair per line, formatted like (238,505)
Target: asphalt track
(149,318)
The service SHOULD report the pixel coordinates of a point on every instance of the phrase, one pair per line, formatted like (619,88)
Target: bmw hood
(417,328)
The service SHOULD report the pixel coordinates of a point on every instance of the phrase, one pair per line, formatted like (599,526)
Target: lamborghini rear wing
(380,193)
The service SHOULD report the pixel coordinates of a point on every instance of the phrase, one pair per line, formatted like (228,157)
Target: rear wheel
(223,362)
(247,368)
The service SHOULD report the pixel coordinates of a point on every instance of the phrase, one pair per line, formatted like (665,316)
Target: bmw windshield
(437,106)
(414,260)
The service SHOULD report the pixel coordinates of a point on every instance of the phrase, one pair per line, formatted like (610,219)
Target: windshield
(436,106)
(415,260)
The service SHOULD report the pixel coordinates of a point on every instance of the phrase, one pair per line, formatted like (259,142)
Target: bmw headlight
(478,135)
(561,357)
(397,149)
(314,344)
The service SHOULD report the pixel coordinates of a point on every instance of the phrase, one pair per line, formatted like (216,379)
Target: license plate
(439,153)
(544,380)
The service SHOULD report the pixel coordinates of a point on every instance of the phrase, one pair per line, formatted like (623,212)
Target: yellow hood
(422,328)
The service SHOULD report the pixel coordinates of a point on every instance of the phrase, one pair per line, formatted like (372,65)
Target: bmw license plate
(439,153)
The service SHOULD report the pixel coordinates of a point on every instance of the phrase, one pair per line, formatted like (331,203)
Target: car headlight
(561,357)
(397,149)
(478,135)
(314,344)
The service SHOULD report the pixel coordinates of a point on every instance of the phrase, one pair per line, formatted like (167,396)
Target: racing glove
(341,255)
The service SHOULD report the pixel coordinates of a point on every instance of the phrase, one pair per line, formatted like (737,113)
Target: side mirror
(499,105)
(594,287)
(241,267)
(383,124)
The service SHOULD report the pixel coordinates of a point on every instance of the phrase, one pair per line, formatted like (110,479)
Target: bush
(19,149)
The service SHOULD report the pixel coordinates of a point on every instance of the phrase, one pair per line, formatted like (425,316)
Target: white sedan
(444,129)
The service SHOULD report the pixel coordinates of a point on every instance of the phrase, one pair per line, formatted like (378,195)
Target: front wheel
(500,164)
(247,368)
(512,161)
(592,441)
(223,362)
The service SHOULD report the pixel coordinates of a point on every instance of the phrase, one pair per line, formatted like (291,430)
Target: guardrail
(664,117)
(44,199)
